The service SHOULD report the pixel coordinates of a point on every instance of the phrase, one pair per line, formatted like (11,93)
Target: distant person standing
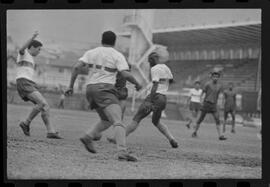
(212,89)
(229,103)
(62,99)
(28,89)
(194,102)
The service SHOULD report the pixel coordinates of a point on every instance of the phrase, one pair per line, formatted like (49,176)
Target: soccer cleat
(222,138)
(173,143)
(123,156)
(52,135)
(188,126)
(88,144)
(25,128)
(233,131)
(111,140)
(97,138)
(194,135)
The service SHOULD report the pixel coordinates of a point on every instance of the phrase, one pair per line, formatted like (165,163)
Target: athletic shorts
(157,105)
(122,93)
(209,107)
(230,109)
(194,106)
(101,95)
(25,87)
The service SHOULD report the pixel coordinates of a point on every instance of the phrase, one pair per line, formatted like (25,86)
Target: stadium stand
(241,72)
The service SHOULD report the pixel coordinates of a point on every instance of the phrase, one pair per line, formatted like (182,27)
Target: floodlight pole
(140,22)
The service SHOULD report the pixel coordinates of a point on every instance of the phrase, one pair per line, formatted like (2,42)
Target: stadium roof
(233,34)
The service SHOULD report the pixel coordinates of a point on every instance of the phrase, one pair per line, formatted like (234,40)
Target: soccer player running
(122,94)
(229,103)
(105,62)
(194,101)
(28,89)
(156,101)
(212,89)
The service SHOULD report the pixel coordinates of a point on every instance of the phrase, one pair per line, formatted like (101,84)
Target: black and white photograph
(133,94)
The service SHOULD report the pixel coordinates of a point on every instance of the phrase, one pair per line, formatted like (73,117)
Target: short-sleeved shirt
(212,92)
(230,98)
(26,72)
(161,73)
(105,57)
(195,95)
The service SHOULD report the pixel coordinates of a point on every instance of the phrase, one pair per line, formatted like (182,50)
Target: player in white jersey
(104,63)
(194,101)
(27,88)
(156,101)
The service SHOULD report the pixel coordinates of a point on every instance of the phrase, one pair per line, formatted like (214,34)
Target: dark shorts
(208,107)
(101,95)
(156,106)
(25,87)
(194,106)
(229,109)
(122,93)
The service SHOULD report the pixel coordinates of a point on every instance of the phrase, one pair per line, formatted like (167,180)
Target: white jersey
(26,72)
(195,95)
(105,57)
(161,73)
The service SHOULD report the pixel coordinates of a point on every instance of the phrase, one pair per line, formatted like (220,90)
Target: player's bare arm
(203,95)
(27,43)
(130,78)
(79,66)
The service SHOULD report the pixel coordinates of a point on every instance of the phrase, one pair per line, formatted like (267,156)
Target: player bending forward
(28,89)
(211,90)
(156,101)
(105,62)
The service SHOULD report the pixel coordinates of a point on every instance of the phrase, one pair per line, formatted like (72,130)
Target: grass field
(37,157)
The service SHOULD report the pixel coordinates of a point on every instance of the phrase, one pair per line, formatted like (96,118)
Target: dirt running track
(37,157)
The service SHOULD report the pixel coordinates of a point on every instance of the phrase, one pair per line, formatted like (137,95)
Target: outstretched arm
(21,51)
(130,78)
(75,72)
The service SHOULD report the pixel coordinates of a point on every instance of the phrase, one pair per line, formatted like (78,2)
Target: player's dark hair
(215,73)
(151,59)
(35,44)
(108,38)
